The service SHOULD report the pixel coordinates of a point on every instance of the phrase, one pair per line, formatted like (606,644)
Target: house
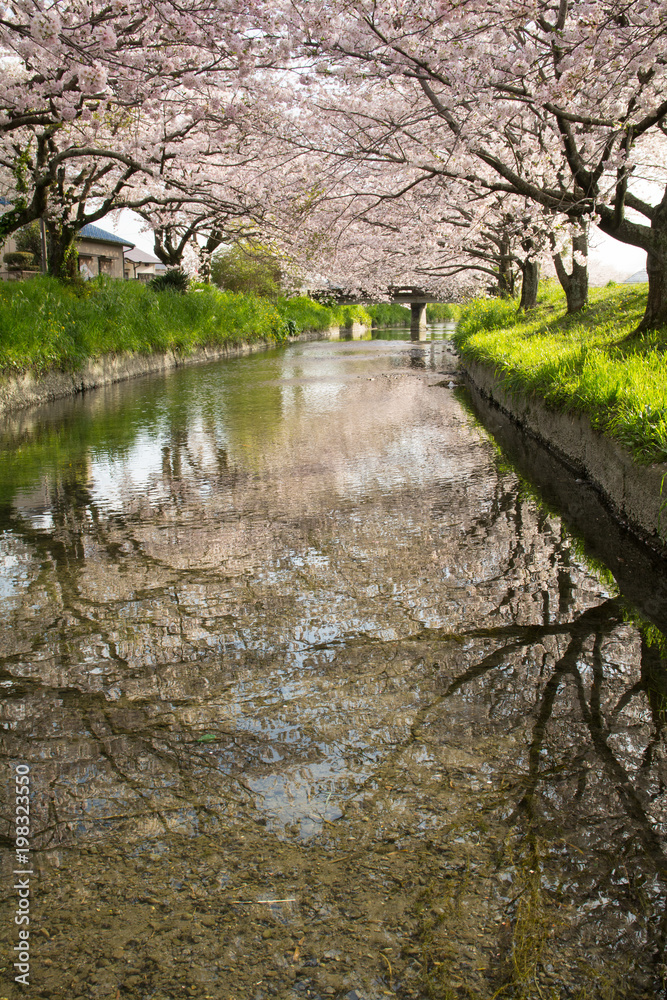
(141,266)
(100,252)
(9,246)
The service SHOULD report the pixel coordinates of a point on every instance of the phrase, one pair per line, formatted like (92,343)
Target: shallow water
(321,697)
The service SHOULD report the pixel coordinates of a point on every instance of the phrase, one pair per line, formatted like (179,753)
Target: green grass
(442,312)
(389,314)
(579,363)
(393,314)
(302,313)
(44,324)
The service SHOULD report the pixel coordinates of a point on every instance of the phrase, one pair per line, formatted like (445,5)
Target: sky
(609,260)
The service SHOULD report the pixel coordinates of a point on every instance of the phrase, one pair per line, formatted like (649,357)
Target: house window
(87,267)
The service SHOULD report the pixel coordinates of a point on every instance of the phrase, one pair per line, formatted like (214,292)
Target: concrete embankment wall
(634,492)
(31,390)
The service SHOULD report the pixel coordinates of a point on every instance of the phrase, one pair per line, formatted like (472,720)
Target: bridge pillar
(418,321)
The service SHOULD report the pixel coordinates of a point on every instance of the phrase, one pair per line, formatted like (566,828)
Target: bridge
(416,298)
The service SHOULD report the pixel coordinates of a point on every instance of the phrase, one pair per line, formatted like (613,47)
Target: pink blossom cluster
(420,141)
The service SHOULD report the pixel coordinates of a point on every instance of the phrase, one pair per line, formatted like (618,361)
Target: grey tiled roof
(90,232)
(138,256)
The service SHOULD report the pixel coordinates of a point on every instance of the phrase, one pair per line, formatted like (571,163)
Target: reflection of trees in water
(588,819)
(578,807)
(618,836)
(61,631)
(79,528)
(140,633)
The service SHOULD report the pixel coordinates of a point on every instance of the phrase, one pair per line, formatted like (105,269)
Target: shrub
(305,314)
(46,324)
(389,314)
(442,312)
(19,260)
(175,280)
(487,314)
(248,268)
(29,239)
(347,315)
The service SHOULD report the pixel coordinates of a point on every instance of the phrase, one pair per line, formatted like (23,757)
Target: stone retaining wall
(633,491)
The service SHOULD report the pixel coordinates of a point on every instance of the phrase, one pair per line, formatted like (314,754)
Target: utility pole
(42,233)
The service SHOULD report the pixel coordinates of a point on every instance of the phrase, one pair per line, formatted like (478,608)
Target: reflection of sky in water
(314,791)
(256,629)
(409,454)
(318,399)
(40,522)
(138,474)
(300,796)
(234,413)
(113,480)
(15,568)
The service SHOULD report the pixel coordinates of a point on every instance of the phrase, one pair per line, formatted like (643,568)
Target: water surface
(322,697)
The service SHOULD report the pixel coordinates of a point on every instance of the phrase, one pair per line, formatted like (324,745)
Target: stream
(330,685)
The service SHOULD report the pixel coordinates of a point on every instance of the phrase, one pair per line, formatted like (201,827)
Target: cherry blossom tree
(372,229)
(104,105)
(209,118)
(576,86)
(378,159)
(575,281)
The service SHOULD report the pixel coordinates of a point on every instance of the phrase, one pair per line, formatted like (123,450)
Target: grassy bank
(442,312)
(579,363)
(386,314)
(45,324)
(392,314)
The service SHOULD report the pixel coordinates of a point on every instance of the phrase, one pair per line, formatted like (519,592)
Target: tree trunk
(205,254)
(575,285)
(656,303)
(168,250)
(530,271)
(204,266)
(62,253)
(653,240)
(505,273)
(656,267)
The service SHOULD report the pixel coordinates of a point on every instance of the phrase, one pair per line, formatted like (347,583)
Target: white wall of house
(139,272)
(95,257)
